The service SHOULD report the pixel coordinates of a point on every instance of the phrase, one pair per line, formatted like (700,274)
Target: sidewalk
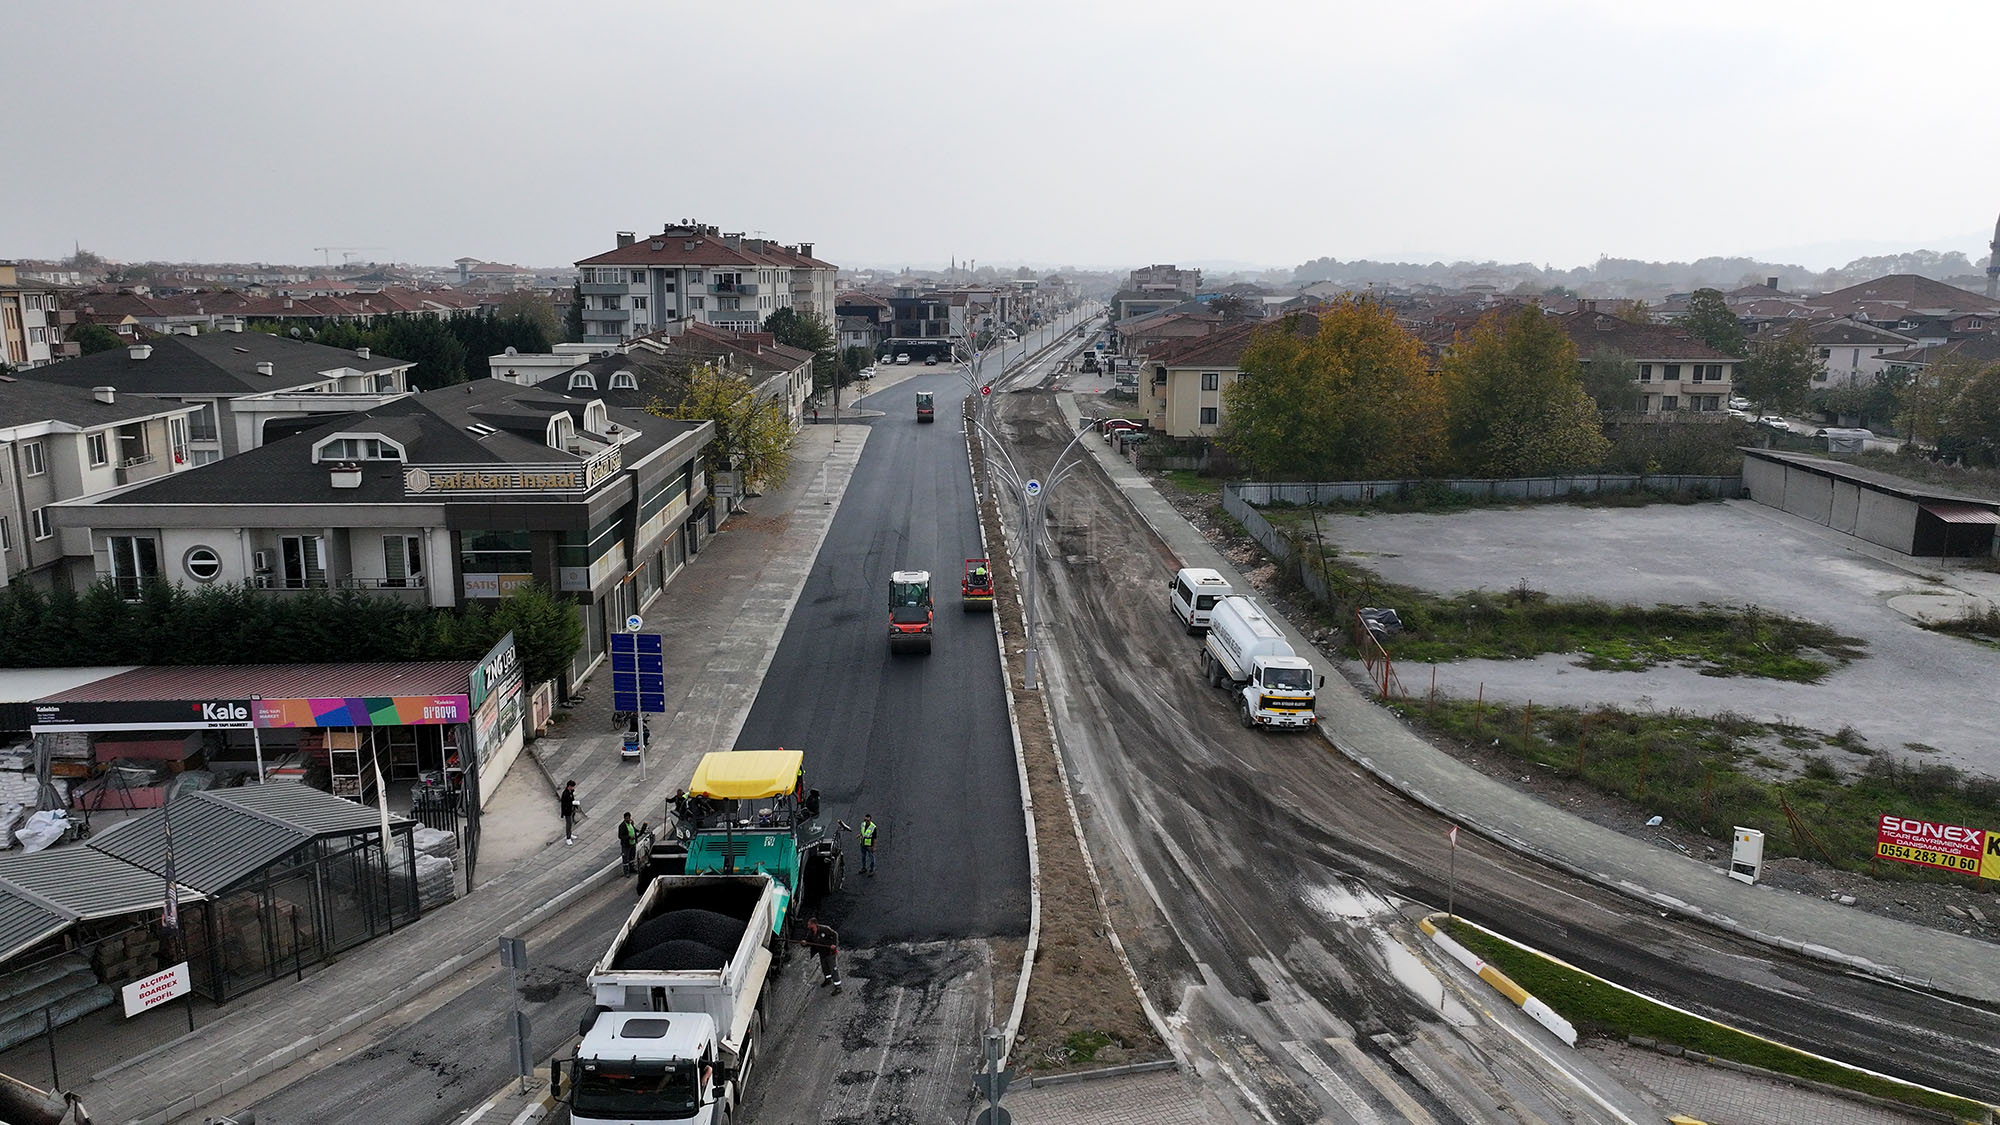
(728,606)
(1375,740)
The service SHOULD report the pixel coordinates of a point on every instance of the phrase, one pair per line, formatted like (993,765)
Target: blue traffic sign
(638,673)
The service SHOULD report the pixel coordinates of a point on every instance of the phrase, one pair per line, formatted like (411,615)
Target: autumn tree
(753,435)
(1344,395)
(1709,320)
(1515,400)
(1929,393)
(1611,379)
(1778,373)
(533,307)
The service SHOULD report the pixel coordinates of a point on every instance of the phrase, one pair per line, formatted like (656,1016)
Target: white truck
(680,1000)
(1246,654)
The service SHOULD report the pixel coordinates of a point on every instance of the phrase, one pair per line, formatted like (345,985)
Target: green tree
(1517,406)
(546,629)
(752,435)
(1611,379)
(1929,393)
(532,307)
(1635,311)
(808,331)
(1968,429)
(1778,373)
(1709,320)
(1344,395)
(1231,308)
(95,338)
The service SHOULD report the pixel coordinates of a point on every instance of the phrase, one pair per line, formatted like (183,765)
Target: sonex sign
(1951,847)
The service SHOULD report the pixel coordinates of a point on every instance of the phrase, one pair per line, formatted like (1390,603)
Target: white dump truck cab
(651,1066)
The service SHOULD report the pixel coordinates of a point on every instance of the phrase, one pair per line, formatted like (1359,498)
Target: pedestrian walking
(567,800)
(628,842)
(868,844)
(815,413)
(825,941)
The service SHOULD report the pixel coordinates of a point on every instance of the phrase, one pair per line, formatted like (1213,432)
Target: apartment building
(60,443)
(693,272)
(1676,372)
(243,384)
(33,322)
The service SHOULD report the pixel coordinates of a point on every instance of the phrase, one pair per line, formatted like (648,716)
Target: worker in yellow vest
(868,844)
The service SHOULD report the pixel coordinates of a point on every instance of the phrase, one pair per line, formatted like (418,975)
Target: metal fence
(1308,493)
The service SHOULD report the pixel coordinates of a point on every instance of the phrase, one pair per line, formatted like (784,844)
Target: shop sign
(1949,846)
(144,714)
(148,993)
(497,671)
(495,585)
(512,480)
(365,711)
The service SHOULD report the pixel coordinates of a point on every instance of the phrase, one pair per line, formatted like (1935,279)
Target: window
(303,559)
(402,560)
(202,428)
(1670,402)
(207,456)
(1208,415)
(100,449)
(358,449)
(177,436)
(696,304)
(694,277)
(1645,373)
(624,381)
(32,459)
(495,552)
(582,381)
(1670,373)
(575,548)
(638,302)
(39,521)
(1826,353)
(6,535)
(202,564)
(1211,380)
(135,560)
(638,277)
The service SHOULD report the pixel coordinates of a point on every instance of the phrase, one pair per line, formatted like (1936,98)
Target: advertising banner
(151,992)
(1949,846)
(157,714)
(372,711)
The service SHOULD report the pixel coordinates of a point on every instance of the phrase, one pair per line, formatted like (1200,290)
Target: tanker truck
(1246,655)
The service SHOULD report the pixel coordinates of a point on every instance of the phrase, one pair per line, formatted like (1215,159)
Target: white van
(1194,592)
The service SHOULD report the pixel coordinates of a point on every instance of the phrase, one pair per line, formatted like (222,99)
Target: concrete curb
(1074,1077)
(300,1048)
(1028,954)
(1538,1011)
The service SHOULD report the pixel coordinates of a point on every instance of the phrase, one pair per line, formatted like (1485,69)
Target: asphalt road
(1260,882)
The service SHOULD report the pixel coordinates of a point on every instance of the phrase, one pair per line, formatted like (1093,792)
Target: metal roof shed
(293,875)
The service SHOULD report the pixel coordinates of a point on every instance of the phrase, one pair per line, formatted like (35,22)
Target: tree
(95,338)
(1929,393)
(1516,401)
(1345,395)
(1709,320)
(752,435)
(1611,379)
(808,331)
(530,306)
(1231,308)
(1967,428)
(1779,373)
(546,629)
(83,260)
(1635,311)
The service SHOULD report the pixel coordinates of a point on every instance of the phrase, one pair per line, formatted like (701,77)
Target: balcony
(602,288)
(65,349)
(617,316)
(735,289)
(60,318)
(802,285)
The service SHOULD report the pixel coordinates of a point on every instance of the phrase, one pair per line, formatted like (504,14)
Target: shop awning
(222,836)
(1961,513)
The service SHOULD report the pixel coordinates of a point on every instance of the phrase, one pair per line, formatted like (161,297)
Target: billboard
(1951,847)
(369,711)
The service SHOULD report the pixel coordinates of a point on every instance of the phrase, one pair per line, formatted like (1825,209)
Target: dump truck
(910,611)
(680,998)
(1246,655)
(748,811)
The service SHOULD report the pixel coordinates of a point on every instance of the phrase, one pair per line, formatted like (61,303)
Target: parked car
(1119,426)
(1739,404)
(930,361)
(1775,422)
(902,358)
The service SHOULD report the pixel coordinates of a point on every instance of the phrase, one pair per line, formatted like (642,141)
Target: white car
(1775,422)
(1739,404)
(902,358)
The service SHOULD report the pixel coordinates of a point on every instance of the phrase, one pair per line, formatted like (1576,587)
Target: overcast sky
(1106,134)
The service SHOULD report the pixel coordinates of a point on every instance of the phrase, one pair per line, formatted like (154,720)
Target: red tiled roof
(1593,331)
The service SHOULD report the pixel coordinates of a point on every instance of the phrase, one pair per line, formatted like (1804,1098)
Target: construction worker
(868,844)
(825,941)
(979,578)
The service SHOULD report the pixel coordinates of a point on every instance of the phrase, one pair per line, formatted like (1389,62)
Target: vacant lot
(1913,690)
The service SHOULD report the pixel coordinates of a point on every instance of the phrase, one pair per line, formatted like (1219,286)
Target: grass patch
(1082,1046)
(1597,1008)
(1709,774)
(1193,483)
(1977,624)
(1521,623)
(1437,497)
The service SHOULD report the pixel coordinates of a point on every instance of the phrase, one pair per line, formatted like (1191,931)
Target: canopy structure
(747,775)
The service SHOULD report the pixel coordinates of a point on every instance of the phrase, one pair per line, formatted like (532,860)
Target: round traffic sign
(987,389)
(634,623)
(1033,488)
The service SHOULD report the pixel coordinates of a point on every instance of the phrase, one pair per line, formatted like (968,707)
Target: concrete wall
(1515,488)
(1878,517)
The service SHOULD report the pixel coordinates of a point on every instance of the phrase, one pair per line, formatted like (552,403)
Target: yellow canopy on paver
(747,775)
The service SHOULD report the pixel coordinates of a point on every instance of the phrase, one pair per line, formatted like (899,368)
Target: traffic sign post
(639,679)
(993,1082)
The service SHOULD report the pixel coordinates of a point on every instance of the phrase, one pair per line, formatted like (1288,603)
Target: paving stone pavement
(1162,1097)
(1726,1097)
